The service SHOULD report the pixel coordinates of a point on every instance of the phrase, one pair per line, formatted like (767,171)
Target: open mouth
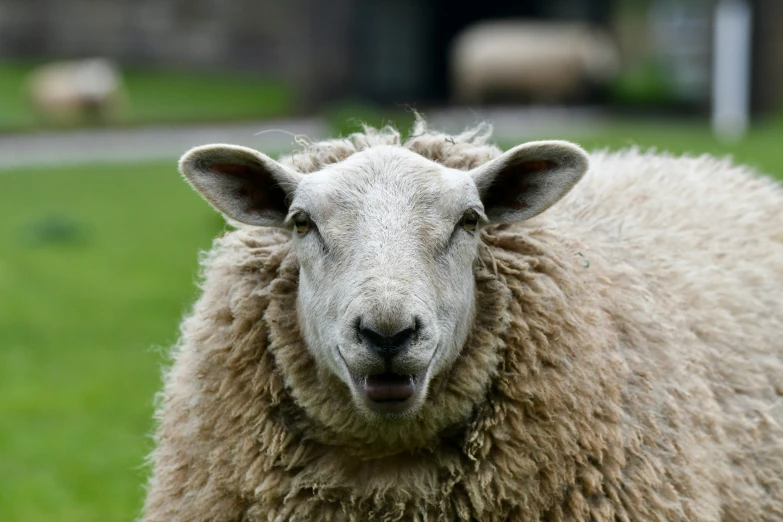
(389,392)
(388,387)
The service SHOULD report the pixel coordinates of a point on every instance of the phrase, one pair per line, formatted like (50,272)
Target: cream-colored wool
(626,363)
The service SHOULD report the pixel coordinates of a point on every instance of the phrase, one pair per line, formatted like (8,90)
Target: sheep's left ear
(242,183)
(528,179)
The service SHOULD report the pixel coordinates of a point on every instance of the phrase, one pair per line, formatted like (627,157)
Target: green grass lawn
(162,97)
(761,148)
(97,266)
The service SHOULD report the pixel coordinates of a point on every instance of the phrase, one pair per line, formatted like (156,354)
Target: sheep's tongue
(388,387)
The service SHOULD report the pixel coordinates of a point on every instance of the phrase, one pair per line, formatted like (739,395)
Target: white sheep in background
(532,60)
(77,91)
(433,330)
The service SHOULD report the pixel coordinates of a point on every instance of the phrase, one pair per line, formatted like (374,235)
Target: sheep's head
(386,241)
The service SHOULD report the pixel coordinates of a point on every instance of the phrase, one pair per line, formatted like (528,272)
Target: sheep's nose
(385,344)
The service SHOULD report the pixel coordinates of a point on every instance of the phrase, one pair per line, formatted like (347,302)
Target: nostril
(358,327)
(402,336)
(386,345)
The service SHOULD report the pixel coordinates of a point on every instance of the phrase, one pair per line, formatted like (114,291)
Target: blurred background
(98,99)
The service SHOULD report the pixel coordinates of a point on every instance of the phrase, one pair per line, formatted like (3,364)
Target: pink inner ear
(230,168)
(537,165)
(253,188)
(510,187)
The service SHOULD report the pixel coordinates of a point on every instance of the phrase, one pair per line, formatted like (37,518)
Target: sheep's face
(386,241)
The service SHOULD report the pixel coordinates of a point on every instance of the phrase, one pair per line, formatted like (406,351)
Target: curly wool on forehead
(463,151)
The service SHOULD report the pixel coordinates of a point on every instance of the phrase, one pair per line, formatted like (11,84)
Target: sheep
(539,61)
(78,91)
(432,330)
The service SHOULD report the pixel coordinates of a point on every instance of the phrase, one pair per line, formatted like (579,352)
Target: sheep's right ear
(242,183)
(528,179)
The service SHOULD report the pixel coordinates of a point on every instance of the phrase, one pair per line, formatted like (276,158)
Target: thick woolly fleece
(626,363)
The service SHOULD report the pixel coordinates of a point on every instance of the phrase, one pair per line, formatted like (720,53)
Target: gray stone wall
(768,56)
(304,41)
(191,32)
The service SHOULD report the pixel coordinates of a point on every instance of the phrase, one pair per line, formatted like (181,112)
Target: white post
(731,69)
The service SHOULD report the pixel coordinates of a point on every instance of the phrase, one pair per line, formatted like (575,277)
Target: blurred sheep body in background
(533,61)
(81,91)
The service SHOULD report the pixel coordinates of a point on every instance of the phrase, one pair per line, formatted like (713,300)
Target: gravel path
(168,143)
(147,143)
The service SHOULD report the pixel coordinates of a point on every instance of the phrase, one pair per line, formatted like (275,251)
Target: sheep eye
(302,223)
(470,221)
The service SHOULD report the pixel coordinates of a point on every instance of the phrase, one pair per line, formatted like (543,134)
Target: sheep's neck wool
(279,413)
